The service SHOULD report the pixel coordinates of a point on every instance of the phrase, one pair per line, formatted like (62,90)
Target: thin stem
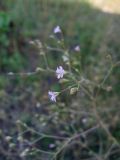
(45,152)
(28,73)
(45,60)
(54,49)
(43,134)
(106,77)
(72,138)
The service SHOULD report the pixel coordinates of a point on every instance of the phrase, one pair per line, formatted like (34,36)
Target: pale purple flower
(84,120)
(52,95)
(77,48)
(52,146)
(60,72)
(57,29)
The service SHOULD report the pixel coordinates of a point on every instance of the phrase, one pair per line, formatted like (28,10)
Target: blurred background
(27,116)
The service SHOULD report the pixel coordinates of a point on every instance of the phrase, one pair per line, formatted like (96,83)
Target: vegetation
(84,121)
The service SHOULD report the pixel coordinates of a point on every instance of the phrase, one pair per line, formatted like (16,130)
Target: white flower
(60,72)
(52,95)
(57,29)
(77,48)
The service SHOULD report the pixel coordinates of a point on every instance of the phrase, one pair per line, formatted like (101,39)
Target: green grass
(82,23)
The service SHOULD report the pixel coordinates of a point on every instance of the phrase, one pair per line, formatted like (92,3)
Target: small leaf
(63,80)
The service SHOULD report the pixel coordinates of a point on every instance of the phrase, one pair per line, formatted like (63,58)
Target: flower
(77,48)
(60,72)
(52,95)
(57,29)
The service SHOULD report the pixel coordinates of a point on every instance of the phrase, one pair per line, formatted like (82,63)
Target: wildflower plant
(71,77)
(72,80)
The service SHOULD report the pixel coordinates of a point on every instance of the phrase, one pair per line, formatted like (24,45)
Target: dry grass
(111,6)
